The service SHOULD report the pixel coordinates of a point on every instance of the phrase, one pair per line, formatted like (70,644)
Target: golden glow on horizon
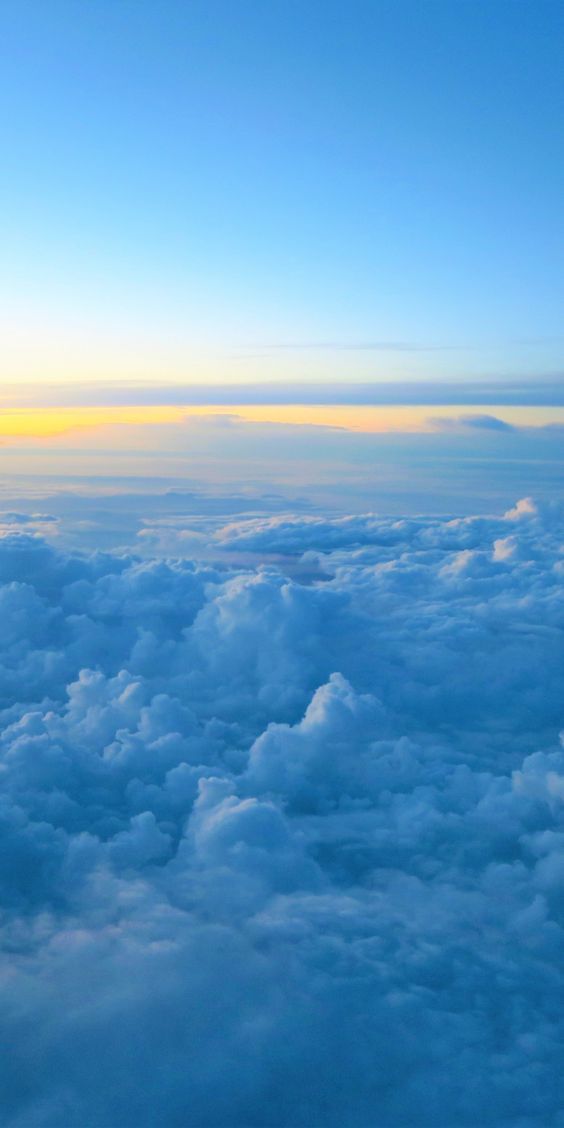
(51,423)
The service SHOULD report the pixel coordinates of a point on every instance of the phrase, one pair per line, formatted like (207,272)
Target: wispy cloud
(546,390)
(363,346)
(393,345)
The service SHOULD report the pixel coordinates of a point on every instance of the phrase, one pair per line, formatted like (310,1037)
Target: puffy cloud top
(282,854)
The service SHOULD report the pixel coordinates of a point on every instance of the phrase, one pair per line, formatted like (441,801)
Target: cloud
(480,422)
(8,517)
(277,853)
(363,346)
(547,390)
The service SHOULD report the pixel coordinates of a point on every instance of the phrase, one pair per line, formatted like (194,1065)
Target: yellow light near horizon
(50,423)
(47,423)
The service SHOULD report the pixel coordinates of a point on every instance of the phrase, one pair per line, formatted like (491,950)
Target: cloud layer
(548,389)
(286,854)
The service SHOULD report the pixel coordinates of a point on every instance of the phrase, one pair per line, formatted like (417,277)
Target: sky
(220,193)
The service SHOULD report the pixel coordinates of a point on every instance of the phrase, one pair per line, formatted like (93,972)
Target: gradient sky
(219,191)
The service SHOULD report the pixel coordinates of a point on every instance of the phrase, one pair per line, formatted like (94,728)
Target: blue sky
(218,192)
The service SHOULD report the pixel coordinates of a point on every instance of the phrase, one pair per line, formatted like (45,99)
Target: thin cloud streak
(546,391)
(401,346)
(363,346)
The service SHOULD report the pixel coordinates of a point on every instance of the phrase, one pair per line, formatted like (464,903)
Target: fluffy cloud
(280,853)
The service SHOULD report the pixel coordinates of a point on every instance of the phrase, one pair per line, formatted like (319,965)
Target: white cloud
(285,854)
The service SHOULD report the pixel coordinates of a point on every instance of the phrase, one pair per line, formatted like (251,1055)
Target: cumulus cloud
(286,854)
(8,517)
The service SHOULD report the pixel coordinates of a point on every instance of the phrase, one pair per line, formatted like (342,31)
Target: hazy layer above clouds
(283,853)
(149,463)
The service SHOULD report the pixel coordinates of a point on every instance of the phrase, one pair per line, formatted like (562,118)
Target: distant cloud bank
(474,422)
(283,853)
(541,392)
